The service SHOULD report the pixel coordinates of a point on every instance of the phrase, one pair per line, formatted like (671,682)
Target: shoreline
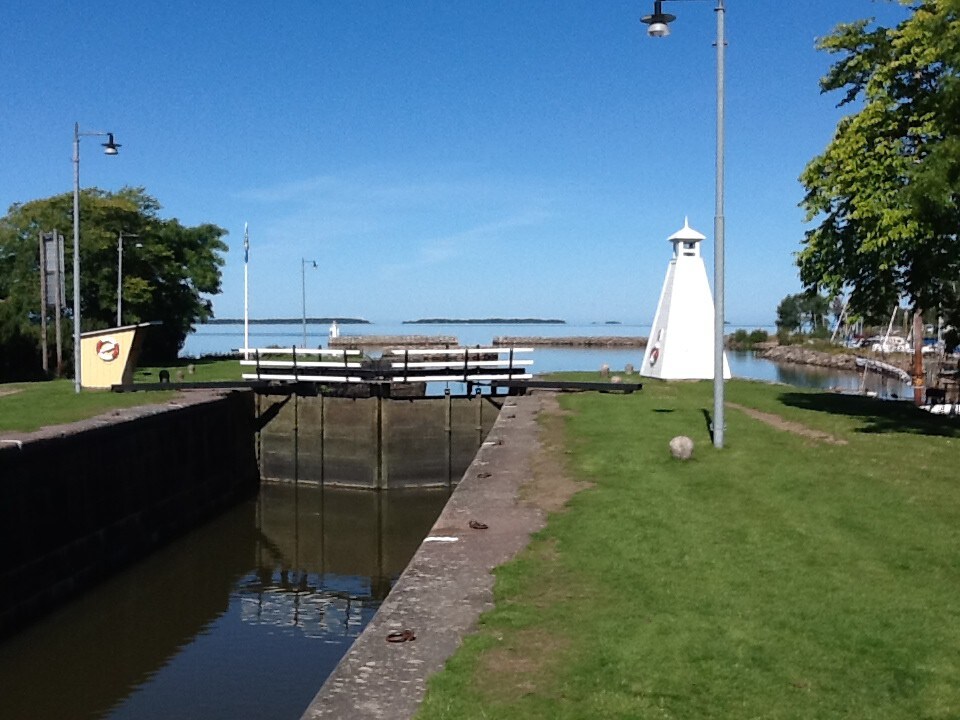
(797,355)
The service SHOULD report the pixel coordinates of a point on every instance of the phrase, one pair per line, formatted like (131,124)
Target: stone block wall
(81,501)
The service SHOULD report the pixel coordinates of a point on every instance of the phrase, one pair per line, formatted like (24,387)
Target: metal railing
(461,364)
(467,365)
(340,369)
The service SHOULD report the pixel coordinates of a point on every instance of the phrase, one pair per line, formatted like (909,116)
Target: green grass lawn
(203,370)
(782,577)
(29,406)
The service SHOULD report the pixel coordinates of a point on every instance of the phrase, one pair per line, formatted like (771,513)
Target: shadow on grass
(708,419)
(878,416)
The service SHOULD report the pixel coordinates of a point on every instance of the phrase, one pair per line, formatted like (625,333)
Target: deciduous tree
(885,193)
(809,311)
(168,269)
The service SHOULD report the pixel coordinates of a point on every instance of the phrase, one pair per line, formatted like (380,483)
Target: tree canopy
(803,311)
(168,268)
(886,191)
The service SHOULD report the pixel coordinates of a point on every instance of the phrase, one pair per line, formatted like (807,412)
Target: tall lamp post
(120,238)
(303,293)
(109,148)
(658,25)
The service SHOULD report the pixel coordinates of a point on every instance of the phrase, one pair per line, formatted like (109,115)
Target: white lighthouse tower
(681,343)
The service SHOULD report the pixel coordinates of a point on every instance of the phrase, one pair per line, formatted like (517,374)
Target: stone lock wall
(80,501)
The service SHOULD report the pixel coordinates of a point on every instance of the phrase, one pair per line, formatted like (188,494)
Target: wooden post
(381,452)
(919,380)
(323,433)
(296,439)
(479,398)
(448,428)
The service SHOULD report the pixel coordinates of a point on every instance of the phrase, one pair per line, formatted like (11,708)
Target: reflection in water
(242,618)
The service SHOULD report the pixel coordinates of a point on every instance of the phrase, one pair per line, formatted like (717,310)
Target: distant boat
(891,344)
(942,408)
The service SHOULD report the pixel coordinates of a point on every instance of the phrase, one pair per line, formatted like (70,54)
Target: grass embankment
(30,406)
(783,577)
(209,369)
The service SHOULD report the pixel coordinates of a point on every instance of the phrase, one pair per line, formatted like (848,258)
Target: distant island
(288,321)
(485,321)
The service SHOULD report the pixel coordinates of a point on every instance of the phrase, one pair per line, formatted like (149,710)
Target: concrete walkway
(448,583)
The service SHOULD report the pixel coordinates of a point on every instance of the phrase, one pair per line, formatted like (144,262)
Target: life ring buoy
(108,349)
(654,355)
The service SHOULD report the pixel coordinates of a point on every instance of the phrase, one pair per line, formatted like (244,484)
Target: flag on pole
(246,244)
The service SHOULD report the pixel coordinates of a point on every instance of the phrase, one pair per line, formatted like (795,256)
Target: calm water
(243,618)
(211,339)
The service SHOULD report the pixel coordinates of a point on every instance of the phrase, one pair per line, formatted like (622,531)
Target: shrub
(785,337)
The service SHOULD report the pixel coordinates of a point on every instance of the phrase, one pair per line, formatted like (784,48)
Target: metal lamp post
(658,26)
(303,293)
(109,148)
(120,238)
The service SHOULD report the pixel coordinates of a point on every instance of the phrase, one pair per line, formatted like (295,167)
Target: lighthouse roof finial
(686,234)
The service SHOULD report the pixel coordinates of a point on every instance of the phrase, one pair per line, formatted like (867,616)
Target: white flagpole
(246,293)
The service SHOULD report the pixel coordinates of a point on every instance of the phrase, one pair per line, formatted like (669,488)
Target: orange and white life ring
(108,349)
(654,355)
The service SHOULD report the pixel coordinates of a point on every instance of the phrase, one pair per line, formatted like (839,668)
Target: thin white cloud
(387,219)
(465,243)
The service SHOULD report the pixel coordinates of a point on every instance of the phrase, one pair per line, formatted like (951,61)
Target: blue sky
(436,158)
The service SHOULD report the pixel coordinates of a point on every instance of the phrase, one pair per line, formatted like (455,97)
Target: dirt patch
(775,421)
(522,661)
(9,391)
(515,668)
(551,485)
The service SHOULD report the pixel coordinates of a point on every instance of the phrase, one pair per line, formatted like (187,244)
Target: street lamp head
(110,147)
(658,29)
(658,24)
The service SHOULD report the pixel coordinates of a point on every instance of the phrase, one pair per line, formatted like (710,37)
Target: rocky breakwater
(894,363)
(605,341)
(353,342)
(805,356)
(897,365)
